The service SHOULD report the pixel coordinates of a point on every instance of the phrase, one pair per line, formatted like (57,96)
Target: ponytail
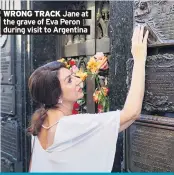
(37,120)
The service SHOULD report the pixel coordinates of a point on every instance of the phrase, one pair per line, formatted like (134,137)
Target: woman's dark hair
(45,89)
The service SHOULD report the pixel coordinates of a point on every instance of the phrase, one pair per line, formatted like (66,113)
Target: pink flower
(74,69)
(99,55)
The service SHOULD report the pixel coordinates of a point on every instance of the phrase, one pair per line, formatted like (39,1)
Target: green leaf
(94,75)
(103,103)
(81,101)
(99,98)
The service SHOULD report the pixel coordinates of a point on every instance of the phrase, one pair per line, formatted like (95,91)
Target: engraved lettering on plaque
(150,148)
(159,88)
(7,59)
(10,144)
(8,99)
(158,17)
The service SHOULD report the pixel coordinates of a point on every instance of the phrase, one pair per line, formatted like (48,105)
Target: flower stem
(98,81)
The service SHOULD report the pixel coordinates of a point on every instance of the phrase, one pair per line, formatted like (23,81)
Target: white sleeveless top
(82,143)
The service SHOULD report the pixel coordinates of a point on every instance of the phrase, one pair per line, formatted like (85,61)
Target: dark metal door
(13,98)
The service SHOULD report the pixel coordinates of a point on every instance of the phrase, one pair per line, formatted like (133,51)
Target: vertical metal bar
(90,90)
(91,22)
(28,110)
(3,4)
(7,4)
(91,82)
(11,4)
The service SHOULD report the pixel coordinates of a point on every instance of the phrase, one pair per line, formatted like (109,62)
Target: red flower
(74,111)
(72,62)
(76,105)
(100,108)
(75,108)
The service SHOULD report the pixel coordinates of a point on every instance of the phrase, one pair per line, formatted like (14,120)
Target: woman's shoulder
(91,117)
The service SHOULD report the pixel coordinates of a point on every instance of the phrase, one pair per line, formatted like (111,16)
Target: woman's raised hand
(139,44)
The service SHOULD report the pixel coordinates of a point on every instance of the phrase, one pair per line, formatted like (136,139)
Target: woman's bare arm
(133,105)
(126,125)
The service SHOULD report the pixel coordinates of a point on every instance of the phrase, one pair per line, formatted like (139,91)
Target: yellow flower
(81,74)
(105,91)
(62,60)
(95,64)
(99,93)
(92,65)
(67,65)
(95,96)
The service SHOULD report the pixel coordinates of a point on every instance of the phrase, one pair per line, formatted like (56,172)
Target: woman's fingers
(146,37)
(139,44)
(138,35)
(135,36)
(140,38)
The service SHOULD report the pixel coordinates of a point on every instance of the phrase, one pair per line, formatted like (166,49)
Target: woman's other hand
(139,44)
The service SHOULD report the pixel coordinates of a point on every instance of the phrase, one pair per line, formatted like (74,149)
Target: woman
(63,142)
